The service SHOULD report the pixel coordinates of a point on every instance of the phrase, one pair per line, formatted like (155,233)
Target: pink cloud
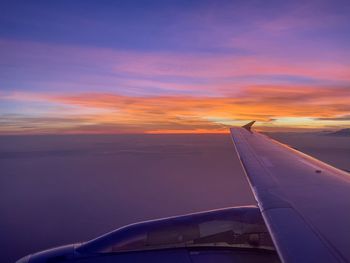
(70,59)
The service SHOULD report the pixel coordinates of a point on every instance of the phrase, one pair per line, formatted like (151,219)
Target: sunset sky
(173,66)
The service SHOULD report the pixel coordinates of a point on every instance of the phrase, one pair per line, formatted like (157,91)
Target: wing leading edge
(305,203)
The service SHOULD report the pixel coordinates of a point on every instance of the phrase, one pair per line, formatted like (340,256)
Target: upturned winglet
(248,126)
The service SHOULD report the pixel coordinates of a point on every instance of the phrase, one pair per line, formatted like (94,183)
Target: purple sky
(154,53)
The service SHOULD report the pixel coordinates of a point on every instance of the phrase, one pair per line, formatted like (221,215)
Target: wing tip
(248,126)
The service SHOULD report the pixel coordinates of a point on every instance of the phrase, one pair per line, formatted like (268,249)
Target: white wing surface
(305,203)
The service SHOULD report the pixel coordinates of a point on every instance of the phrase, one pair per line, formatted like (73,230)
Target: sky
(166,66)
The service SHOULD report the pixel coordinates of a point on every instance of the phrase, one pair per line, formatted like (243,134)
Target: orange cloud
(277,101)
(111,113)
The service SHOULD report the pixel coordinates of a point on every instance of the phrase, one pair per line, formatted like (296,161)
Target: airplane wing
(305,203)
